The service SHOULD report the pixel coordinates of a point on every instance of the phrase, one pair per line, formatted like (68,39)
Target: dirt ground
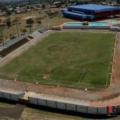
(12,112)
(25,18)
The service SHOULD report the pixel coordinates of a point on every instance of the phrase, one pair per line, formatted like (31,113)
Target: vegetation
(16,22)
(1,35)
(40,21)
(77,60)
(24,31)
(30,22)
(9,22)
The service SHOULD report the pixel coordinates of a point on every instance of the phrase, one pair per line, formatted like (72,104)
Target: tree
(38,20)
(30,23)
(1,37)
(24,31)
(8,12)
(47,17)
(2,24)
(1,34)
(16,22)
(0,21)
(77,2)
(8,22)
(66,2)
(43,6)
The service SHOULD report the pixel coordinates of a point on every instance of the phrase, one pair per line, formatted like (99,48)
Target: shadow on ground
(13,112)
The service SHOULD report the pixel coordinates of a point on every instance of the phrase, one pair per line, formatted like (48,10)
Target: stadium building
(91,11)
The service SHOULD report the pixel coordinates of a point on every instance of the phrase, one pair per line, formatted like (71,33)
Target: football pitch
(66,59)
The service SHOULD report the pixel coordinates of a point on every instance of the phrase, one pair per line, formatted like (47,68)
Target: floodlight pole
(48,19)
(59,16)
(17,28)
(1,34)
(111,17)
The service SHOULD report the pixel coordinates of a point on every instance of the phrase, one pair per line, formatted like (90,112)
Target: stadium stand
(42,30)
(13,44)
(35,34)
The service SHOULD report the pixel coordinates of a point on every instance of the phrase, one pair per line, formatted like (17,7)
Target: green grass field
(68,59)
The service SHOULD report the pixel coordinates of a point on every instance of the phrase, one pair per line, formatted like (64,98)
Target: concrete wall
(1,95)
(103,111)
(51,104)
(92,110)
(11,96)
(42,102)
(20,96)
(6,95)
(61,105)
(81,109)
(33,100)
(111,28)
(69,106)
(87,27)
(14,97)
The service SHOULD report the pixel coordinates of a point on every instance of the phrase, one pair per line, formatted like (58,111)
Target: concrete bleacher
(35,34)
(38,33)
(43,30)
(13,44)
(13,41)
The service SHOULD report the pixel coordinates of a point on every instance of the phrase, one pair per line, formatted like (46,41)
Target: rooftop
(94,7)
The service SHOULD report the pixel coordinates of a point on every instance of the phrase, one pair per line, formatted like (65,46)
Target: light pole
(48,18)
(111,16)
(59,13)
(1,34)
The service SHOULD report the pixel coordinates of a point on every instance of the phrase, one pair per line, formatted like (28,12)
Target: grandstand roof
(93,8)
(13,41)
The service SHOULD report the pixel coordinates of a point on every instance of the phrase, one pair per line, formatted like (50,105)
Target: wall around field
(69,106)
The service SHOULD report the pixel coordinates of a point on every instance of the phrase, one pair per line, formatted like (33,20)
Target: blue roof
(93,8)
(77,15)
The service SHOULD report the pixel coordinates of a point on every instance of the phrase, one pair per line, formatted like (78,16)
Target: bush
(24,31)
(12,37)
